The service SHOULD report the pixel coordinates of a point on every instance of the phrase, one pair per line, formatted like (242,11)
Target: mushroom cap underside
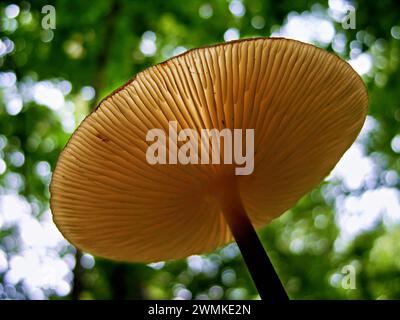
(306,107)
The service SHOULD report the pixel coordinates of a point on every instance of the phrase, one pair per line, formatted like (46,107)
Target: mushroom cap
(306,107)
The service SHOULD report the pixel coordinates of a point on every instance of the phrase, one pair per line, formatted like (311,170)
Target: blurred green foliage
(96,47)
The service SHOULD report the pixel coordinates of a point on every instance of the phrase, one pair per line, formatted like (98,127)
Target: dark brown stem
(258,263)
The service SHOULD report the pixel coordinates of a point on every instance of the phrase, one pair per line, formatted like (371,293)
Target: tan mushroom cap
(306,107)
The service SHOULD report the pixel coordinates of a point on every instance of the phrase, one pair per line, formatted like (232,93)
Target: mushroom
(306,107)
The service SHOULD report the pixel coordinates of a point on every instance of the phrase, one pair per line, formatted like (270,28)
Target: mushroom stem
(258,263)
